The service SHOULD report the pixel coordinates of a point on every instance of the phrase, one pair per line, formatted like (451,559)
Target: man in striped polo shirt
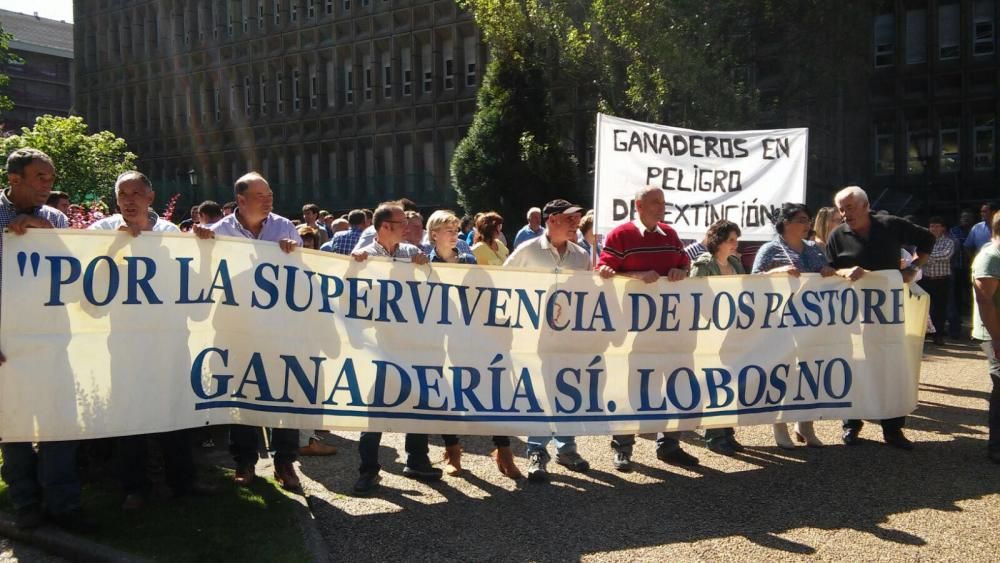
(646,249)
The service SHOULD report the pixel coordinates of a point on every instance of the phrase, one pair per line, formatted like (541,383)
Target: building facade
(41,82)
(932,104)
(339,102)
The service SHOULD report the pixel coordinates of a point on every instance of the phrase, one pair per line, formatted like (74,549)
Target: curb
(58,542)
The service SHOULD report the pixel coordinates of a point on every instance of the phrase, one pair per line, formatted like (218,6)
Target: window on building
(348,83)
(404,57)
(296,91)
(313,89)
(365,3)
(277,12)
(448,57)
(218,104)
(331,74)
(948,32)
(949,143)
(328,6)
(885,150)
(347,5)
(246,95)
(386,76)
(263,94)
(368,78)
(280,81)
(916,154)
(984,142)
(260,14)
(984,28)
(470,61)
(428,68)
(916,36)
(293,11)
(885,40)
(310,9)
(234,96)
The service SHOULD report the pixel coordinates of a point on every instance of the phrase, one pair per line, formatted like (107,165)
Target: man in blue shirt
(980,233)
(345,241)
(253,219)
(49,474)
(532,230)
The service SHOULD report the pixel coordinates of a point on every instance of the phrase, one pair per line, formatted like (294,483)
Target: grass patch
(237,524)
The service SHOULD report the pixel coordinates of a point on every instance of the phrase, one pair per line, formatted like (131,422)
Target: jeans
(415,446)
(564,444)
(51,472)
(178,461)
(994,418)
(666,442)
(243,444)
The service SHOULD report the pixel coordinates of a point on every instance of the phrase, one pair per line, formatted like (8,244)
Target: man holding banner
(986,325)
(865,242)
(646,249)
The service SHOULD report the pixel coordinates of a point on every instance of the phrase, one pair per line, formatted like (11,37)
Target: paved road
(869,502)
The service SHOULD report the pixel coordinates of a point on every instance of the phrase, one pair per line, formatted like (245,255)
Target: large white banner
(108,335)
(742,176)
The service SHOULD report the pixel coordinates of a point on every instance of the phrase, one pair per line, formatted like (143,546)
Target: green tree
(510,159)
(6,57)
(86,165)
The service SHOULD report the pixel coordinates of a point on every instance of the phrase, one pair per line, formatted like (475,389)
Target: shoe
(897,440)
(505,462)
(244,475)
(453,460)
(74,521)
(537,461)
(316,447)
(781,437)
(422,472)
(572,461)
(805,434)
(677,456)
(851,438)
(722,447)
(133,502)
(29,517)
(622,461)
(738,447)
(284,474)
(366,484)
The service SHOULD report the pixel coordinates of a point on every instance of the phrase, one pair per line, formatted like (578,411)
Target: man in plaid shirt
(345,241)
(937,275)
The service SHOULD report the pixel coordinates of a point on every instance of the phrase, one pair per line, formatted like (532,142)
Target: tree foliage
(86,165)
(6,57)
(510,160)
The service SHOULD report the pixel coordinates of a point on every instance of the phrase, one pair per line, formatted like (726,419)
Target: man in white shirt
(556,250)
(134,194)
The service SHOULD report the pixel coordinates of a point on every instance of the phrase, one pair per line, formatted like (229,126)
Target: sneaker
(677,456)
(622,461)
(29,517)
(572,461)
(422,472)
(537,461)
(366,484)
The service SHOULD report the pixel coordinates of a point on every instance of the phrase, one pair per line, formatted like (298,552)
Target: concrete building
(42,82)
(339,102)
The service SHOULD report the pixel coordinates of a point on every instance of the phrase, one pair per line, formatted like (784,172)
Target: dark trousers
(938,290)
(665,442)
(244,442)
(178,461)
(415,446)
(888,424)
(498,441)
(994,366)
(51,473)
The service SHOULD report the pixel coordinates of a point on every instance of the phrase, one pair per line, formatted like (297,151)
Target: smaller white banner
(742,176)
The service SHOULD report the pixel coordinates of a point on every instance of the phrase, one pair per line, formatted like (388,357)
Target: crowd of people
(959,268)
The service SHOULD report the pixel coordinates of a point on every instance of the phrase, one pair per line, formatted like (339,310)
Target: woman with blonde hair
(827,219)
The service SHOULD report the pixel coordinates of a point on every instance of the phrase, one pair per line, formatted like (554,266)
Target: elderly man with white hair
(532,230)
(866,242)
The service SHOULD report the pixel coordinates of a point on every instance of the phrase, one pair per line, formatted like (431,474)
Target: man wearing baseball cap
(554,250)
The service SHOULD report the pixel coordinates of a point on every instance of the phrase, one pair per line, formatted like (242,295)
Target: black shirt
(880,249)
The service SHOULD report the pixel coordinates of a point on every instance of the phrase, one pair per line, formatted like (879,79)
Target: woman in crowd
(722,258)
(489,249)
(310,236)
(827,219)
(442,232)
(790,254)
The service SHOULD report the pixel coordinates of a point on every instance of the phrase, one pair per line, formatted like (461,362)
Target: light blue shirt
(978,236)
(114,222)
(275,228)
(526,234)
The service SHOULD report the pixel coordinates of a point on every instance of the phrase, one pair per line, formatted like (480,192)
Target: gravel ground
(869,502)
(10,551)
